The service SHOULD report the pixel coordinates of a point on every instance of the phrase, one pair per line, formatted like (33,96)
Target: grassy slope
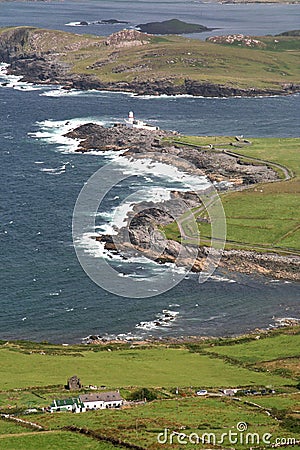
(177,58)
(154,366)
(150,367)
(7,427)
(181,58)
(52,441)
(266,215)
(282,346)
(141,425)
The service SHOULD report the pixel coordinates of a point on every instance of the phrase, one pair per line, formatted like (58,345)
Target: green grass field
(150,367)
(7,427)
(53,441)
(266,215)
(284,402)
(142,424)
(213,364)
(281,346)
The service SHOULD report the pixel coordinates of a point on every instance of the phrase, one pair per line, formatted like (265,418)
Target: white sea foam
(146,167)
(95,248)
(60,92)
(14,81)
(53,132)
(55,171)
(120,213)
(212,318)
(74,24)
(222,279)
(164,319)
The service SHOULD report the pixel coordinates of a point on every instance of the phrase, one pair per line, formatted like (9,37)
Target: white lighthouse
(131,117)
(133,123)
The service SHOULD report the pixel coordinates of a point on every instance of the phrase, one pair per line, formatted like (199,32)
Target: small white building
(67,404)
(101,400)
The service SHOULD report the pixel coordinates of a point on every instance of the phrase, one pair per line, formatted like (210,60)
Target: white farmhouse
(101,401)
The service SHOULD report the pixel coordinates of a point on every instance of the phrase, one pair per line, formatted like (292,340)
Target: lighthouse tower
(130,117)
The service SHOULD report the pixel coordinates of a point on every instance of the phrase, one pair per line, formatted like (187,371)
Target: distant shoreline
(281,324)
(224,2)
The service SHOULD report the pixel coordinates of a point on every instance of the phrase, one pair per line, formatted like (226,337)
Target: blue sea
(45,294)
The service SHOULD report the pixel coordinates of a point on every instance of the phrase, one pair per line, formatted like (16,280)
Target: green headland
(142,63)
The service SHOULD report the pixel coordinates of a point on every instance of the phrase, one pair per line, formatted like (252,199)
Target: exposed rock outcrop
(127,38)
(232,39)
(137,143)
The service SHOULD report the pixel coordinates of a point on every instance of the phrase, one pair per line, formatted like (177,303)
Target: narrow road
(288,174)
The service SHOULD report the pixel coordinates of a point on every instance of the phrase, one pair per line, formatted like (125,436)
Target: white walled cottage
(101,400)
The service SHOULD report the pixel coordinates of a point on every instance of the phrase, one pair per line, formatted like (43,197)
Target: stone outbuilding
(74,383)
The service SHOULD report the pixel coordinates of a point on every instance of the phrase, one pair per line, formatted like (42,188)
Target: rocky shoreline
(142,235)
(38,70)
(134,341)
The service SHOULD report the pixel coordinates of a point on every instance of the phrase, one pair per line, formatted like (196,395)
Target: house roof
(103,396)
(66,402)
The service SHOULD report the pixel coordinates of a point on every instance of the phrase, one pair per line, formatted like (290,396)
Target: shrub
(143,393)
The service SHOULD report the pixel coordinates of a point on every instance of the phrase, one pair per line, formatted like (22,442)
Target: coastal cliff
(135,62)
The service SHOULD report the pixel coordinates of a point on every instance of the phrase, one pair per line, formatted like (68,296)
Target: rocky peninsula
(143,231)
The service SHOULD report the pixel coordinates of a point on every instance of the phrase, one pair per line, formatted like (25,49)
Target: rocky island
(226,170)
(172,26)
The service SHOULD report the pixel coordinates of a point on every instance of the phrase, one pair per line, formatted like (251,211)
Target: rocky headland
(51,57)
(143,233)
(215,163)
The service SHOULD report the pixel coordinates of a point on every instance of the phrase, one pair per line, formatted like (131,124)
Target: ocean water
(45,294)
(254,19)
